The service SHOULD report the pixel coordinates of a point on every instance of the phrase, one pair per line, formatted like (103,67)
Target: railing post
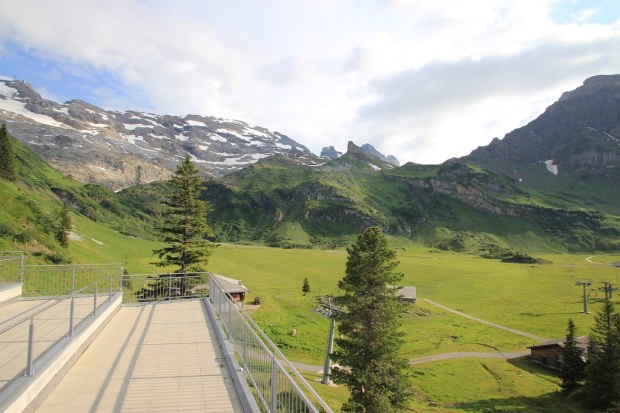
(21,270)
(29,370)
(110,290)
(169,286)
(274,385)
(244,355)
(71,306)
(95,301)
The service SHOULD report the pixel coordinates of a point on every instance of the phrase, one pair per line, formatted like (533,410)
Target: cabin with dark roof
(234,289)
(550,353)
(407,293)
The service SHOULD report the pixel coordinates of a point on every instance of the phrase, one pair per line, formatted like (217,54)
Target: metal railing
(11,266)
(159,287)
(49,316)
(51,280)
(278,386)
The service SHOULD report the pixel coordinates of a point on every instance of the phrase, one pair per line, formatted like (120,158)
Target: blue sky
(425,80)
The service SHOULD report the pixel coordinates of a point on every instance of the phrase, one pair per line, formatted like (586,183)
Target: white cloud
(424,80)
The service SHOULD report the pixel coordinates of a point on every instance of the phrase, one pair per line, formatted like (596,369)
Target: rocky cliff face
(391,159)
(579,133)
(120,149)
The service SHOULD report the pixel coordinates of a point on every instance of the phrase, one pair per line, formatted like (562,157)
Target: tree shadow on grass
(526,363)
(547,403)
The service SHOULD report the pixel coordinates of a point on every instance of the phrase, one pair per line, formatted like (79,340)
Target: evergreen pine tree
(377,377)
(63,226)
(573,365)
(603,367)
(8,164)
(306,287)
(185,226)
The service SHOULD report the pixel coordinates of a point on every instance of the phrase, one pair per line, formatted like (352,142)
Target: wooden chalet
(550,353)
(233,288)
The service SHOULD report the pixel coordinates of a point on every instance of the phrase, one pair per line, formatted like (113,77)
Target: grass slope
(536,298)
(29,207)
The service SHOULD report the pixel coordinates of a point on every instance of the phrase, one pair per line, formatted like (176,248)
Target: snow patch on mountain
(551,167)
(191,122)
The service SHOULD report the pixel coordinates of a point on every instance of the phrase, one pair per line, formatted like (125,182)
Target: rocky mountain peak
(391,159)
(330,152)
(578,133)
(121,149)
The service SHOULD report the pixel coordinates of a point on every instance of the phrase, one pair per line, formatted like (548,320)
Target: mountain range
(550,185)
(122,149)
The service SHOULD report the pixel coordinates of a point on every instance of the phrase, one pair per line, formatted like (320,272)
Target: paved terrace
(51,326)
(159,357)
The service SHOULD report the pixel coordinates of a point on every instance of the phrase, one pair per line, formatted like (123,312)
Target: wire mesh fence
(11,266)
(277,385)
(157,287)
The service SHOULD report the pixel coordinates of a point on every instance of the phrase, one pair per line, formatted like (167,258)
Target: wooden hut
(550,353)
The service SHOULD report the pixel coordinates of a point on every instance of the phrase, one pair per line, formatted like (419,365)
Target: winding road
(445,356)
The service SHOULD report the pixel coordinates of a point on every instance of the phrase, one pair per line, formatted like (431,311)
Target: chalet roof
(407,292)
(582,343)
(230,285)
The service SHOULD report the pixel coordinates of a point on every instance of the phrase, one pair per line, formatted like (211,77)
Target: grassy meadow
(538,299)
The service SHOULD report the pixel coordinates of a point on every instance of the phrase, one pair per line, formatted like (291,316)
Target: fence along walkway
(278,385)
(157,357)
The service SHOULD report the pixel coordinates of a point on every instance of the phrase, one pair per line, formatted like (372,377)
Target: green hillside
(453,206)
(30,206)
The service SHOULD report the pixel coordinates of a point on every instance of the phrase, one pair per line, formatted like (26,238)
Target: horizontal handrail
(282,357)
(58,299)
(70,265)
(267,384)
(165,286)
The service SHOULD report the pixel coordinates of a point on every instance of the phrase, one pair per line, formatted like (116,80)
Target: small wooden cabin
(233,288)
(550,352)
(407,293)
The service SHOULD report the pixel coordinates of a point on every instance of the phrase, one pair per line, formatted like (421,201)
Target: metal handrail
(58,299)
(165,292)
(18,256)
(273,356)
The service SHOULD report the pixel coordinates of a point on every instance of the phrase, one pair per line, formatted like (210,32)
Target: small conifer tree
(63,226)
(8,163)
(573,365)
(603,368)
(306,286)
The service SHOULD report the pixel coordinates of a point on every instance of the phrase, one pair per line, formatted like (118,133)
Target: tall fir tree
(305,288)
(573,364)
(185,226)
(377,377)
(603,367)
(8,163)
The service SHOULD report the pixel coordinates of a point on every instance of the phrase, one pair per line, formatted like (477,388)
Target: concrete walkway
(151,358)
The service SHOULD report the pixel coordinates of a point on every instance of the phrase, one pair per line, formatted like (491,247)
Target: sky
(424,80)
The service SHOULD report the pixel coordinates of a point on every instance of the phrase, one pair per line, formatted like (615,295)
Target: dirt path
(445,356)
(478,354)
(479,320)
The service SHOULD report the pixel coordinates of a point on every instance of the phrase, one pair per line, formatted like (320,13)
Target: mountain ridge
(121,149)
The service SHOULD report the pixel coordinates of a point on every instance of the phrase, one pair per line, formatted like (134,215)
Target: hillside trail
(489,323)
(506,355)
